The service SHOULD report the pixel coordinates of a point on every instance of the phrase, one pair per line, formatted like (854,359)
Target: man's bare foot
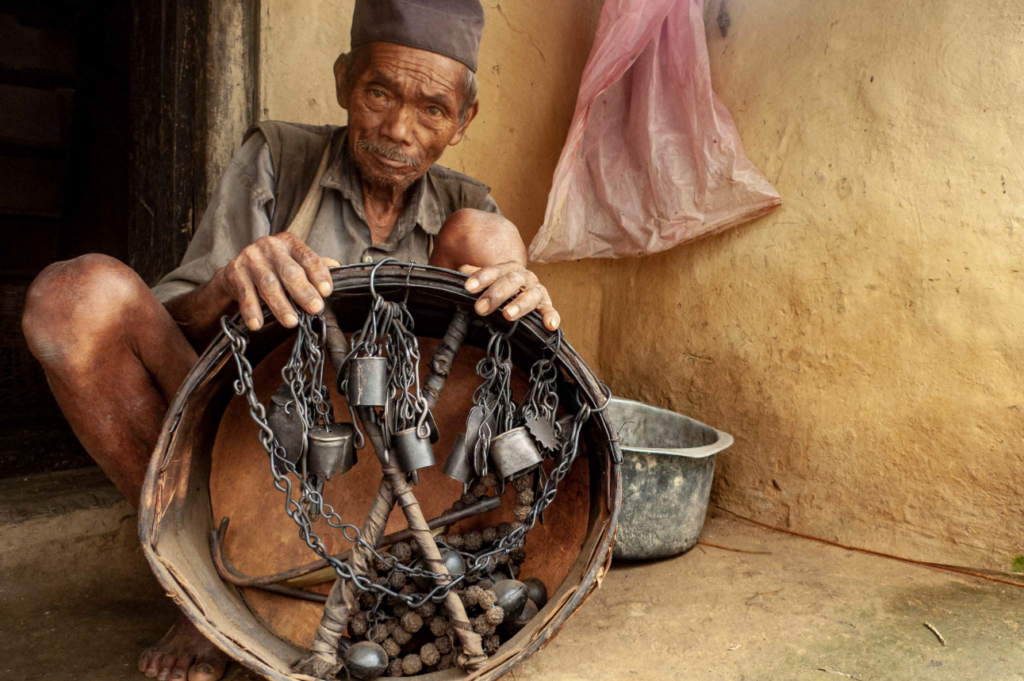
(183,653)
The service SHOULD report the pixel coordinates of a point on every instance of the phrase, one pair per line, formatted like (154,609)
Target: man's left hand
(515,285)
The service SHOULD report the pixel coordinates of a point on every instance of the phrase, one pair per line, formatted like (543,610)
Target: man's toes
(180,670)
(153,666)
(144,659)
(206,669)
(167,663)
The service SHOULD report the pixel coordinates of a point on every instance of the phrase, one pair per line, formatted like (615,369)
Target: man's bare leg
(114,359)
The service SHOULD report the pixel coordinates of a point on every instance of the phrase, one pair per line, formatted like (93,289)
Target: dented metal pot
(668,463)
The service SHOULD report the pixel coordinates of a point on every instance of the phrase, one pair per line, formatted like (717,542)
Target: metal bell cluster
(496,430)
(329,449)
(382,372)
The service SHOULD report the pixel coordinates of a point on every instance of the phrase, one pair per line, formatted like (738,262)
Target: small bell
(515,625)
(453,562)
(536,591)
(283,418)
(412,452)
(459,464)
(511,597)
(365,660)
(514,452)
(367,382)
(332,449)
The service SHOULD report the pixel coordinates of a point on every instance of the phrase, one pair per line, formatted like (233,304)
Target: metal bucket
(667,468)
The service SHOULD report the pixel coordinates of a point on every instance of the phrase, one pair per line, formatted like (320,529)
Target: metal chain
(387,328)
(541,399)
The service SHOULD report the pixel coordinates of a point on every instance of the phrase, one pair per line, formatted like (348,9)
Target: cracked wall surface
(862,342)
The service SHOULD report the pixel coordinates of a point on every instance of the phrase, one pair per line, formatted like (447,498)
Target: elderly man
(115,351)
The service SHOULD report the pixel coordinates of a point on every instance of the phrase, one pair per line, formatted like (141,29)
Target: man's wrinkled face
(403,110)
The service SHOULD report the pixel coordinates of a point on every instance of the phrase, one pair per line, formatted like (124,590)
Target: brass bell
(283,418)
(459,465)
(412,452)
(332,449)
(367,382)
(514,452)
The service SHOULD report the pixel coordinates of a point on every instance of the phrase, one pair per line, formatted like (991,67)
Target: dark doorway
(95,138)
(64,84)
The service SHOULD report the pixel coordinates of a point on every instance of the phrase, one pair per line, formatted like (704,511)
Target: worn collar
(422,206)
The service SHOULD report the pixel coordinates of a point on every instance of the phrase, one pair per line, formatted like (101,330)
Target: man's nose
(398,124)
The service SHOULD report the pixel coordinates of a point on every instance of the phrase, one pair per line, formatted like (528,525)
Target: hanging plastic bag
(652,159)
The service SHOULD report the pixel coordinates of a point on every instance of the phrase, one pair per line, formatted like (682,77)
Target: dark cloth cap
(448,27)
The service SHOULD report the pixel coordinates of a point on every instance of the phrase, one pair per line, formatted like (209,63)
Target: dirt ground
(78,604)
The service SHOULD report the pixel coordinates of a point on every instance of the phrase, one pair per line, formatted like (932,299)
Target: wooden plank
(34,117)
(32,186)
(166,92)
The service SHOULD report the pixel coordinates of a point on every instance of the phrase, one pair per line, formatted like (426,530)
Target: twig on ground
(830,671)
(730,548)
(935,631)
(766,593)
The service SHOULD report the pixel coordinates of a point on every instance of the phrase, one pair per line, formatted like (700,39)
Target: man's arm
(270,269)
(233,261)
(487,246)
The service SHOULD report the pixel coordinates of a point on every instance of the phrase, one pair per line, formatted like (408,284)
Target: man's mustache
(389,151)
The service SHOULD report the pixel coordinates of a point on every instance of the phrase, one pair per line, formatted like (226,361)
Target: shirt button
(367,258)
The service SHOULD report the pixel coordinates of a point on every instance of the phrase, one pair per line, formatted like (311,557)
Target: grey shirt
(242,209)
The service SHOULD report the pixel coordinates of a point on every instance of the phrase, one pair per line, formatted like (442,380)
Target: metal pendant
(432,424)
(367,382)
(543,431)
(459,464)
(284,420)
(564,426)
(514,452)
(412,452)
(332,449)
(476,419)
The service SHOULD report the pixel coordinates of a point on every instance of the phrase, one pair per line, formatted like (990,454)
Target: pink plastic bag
(652,159)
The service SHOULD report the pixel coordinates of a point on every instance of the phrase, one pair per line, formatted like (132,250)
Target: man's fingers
(504,288)
(247,297)
(525,303)
(315,271)
(271,290)
(483,278)
(331,262)
(552,320)
(295,280)
(535,298)
(469,269)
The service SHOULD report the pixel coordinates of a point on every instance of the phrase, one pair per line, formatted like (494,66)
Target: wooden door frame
(189,58)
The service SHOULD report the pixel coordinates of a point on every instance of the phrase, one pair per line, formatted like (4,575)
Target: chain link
(389,328)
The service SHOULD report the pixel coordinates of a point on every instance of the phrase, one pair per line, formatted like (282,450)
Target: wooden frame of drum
(187,478)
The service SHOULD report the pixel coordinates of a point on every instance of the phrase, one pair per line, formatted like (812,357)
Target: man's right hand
(271,269)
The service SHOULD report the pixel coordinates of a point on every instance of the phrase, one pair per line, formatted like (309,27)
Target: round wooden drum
(209,465)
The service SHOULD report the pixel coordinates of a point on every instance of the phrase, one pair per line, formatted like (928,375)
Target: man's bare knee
(476,237)
(73,307)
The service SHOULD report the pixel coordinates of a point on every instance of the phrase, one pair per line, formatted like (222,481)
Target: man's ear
(341,65)
(471,113)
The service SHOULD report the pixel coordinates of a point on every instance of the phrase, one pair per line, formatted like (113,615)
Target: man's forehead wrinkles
(396,70)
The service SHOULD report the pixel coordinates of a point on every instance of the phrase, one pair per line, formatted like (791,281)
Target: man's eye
(377,92)
(434,111)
